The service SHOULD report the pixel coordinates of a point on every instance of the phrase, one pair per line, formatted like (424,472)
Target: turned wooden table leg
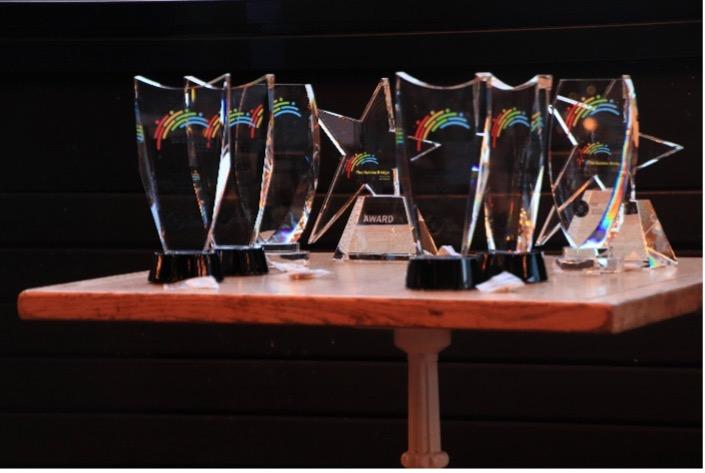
(422,347)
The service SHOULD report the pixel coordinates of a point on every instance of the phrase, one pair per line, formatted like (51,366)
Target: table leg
(422,347)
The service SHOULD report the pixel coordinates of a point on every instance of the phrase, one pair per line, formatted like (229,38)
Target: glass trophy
(513,147)
(449,116)
(378,227)
(176,162)
(289,186)
(594,158)
(243,174)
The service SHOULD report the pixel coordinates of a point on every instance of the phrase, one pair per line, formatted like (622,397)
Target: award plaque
(177,163)
(513,146)
(243,173)
(595,146)
(378,226)
(449,116)
(289,183)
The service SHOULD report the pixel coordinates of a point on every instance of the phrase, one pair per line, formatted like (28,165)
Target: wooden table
(372,294)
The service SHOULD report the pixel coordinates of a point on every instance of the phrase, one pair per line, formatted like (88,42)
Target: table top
(372,294)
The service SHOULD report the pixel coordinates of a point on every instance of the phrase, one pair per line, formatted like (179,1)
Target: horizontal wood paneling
(78,152)
(127,440)
(468,390)
(120,221)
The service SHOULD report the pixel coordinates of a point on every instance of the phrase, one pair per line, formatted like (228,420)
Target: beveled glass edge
(544,81)
(153,83)
(413,80)
(268,79)
(625,77)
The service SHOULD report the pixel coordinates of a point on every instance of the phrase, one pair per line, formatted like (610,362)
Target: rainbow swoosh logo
(252,119)
(284,107)
(358,160)
(592,149)
(508,118)
(588,108)
(175,120)
(536,121)
(433,121)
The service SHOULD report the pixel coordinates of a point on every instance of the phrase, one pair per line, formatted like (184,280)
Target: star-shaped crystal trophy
(594,157)
(366,179)
(178,164)
(451,116)
(514,147)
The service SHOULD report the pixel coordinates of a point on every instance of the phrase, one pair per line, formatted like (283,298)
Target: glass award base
(530,266)
(641,241)
(242,260)
(443,272)
(378,229)
(173,267)
(285,251)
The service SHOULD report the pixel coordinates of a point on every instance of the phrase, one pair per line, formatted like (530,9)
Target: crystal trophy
(243,174)
(513,146)
(176,161)
(594,149)
(449,116)
(289,185)
(378,226)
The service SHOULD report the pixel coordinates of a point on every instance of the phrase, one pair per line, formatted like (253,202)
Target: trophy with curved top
(513,146)
(452,117)
(179,164)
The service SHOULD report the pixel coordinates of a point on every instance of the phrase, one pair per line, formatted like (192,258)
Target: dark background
(174,395)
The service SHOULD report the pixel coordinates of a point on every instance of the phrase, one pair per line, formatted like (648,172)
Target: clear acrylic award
(513,147)
(177,163)
(243,173)
(594,157)
(451,116)
(289,184)
(378,226)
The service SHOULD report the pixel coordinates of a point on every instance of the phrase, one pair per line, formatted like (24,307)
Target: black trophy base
(443,272)
(285,251)
(242,260)
(173,267)
(529,267)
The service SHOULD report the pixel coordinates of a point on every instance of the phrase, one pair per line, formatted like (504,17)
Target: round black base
(443,272)
(242,261)
(174,267)
(530,267)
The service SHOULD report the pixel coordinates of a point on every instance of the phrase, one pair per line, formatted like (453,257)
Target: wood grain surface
(372,294)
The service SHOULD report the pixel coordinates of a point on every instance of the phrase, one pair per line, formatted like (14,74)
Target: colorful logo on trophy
(284,107)
(175,120)
(587,108)
(433,121)
(508,118)
(594,149)
(251,119)
(140,134)
(536,122)
(358,160)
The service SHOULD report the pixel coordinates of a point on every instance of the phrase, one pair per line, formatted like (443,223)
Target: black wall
(141,394)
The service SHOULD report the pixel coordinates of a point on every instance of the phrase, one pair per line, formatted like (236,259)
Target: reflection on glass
(290,180)
(513,147)
(449,116)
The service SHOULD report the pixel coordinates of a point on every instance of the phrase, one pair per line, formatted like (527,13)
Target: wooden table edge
(343,311)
